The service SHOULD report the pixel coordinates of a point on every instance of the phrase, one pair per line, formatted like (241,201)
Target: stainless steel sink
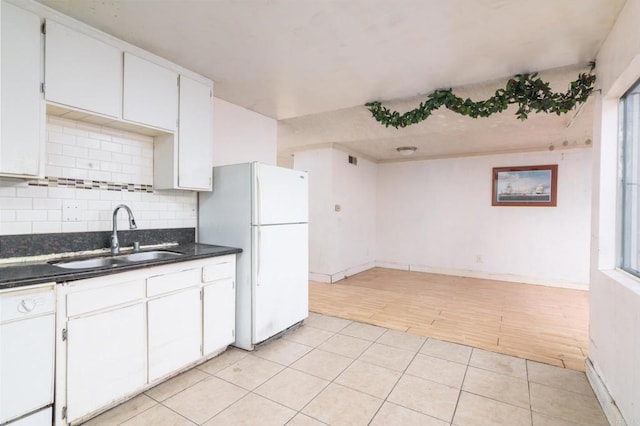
(150,255)
(110,261)
(99,262)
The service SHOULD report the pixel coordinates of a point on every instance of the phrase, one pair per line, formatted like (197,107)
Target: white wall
(341,243)
(436,216)
(614,330)
(90,154)
(241,135)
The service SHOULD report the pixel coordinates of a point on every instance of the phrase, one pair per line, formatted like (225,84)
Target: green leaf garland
(526,90)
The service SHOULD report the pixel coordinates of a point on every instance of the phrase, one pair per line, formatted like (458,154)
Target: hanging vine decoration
(526,90)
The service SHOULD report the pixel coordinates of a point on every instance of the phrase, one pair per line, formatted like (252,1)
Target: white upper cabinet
(195,137)
(82,72)
(22,142)
(150,93)
(185,160)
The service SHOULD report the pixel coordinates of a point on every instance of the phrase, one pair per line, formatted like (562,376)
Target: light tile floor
(338,372)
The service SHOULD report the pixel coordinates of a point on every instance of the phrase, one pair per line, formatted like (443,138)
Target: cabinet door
(82,72)
(106,358)
(219,315)
(195,136)
(26,365)
(23,112)
(150,93)
(175,333)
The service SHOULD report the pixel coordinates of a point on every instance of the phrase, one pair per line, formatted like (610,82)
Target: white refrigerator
(264,210)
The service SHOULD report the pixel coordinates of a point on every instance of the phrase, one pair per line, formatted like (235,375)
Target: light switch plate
(71,211)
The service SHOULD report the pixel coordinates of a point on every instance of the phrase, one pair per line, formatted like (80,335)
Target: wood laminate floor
(544,324)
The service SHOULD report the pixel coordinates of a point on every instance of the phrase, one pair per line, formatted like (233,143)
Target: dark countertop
(24,274)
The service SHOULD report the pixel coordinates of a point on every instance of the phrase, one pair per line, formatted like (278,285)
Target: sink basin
(98,262)
(150,255)
(128,259)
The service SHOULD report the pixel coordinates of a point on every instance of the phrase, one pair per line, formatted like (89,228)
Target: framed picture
(525,186)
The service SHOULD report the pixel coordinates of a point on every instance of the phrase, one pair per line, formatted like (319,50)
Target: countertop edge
(23,275)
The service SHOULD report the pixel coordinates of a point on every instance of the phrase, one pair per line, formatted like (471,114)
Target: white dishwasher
(27,328)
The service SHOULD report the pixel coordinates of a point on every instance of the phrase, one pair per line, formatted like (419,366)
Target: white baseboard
(611,411)
(393,265)
(322,278)
(332,278)
(485,275)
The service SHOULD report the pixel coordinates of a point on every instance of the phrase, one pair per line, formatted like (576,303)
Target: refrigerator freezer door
(280,195)
(280,282)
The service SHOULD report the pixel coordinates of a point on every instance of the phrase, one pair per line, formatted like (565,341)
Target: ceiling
(312,64)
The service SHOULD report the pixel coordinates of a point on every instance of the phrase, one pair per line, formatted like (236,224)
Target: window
(630,259)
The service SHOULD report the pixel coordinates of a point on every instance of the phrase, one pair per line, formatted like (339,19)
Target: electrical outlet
(478,258)
(71,211)
(337,207)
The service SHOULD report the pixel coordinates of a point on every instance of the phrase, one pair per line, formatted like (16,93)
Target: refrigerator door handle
(258,219)
(257,245)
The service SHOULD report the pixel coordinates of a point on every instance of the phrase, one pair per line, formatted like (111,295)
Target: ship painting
(523,186)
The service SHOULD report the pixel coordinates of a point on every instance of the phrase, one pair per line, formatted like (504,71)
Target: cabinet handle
(26,305)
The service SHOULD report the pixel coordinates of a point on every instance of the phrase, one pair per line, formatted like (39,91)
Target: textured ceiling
(302,59)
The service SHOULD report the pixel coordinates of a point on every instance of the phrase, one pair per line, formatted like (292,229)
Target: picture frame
(533,186)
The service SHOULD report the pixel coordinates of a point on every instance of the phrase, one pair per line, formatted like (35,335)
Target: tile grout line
(526,366)
(455,409)
(386,399)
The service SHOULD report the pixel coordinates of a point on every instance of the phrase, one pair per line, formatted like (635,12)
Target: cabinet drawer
(94,299)
(218,271)
(173,281)
(24,304)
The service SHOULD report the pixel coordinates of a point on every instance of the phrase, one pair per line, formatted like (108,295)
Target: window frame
(626,235)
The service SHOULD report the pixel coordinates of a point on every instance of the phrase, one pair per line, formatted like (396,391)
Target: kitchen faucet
(115,245)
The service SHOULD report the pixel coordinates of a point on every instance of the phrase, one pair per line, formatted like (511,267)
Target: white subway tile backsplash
(62,138)
(111,195)
(110,146)
(75,151)
(73,173)
(61,160)
(54,148)
(31,192)
(121,158)
(97,154)
(46,203)
(7,215)
(102,168)
(54,215)
(31,215)
(7,203)
(7,191)
(99,175)
(53,170)
(15,228)
(91,215)
(110,166)
(47,227)
(63,193)
(89,142)
(74,226)
(75,131)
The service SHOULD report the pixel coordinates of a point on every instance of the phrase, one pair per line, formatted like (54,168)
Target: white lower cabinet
(175,332)
(219,315)
(106,358)
(124,333)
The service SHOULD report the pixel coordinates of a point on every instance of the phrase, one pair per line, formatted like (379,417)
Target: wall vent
(353,160)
